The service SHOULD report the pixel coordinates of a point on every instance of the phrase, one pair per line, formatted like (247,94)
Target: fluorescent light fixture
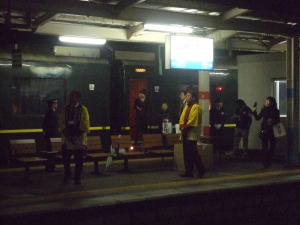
(82,40)
(191,10)
(218,73)
(214,13)
(168,28)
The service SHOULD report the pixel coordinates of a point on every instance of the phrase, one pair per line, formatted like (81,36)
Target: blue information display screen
(191,53)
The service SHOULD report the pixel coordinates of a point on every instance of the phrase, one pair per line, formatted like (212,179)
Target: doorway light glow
(82,40)
(168,28)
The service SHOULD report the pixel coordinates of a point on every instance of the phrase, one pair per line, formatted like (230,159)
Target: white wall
(255,82)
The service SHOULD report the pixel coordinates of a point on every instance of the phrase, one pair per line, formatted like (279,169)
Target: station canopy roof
(251,25)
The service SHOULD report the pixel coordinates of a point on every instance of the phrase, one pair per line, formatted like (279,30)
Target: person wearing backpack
(243,120)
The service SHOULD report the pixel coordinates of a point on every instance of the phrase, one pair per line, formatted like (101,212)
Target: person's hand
(139,108)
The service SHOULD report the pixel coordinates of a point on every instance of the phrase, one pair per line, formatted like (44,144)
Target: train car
(109,85)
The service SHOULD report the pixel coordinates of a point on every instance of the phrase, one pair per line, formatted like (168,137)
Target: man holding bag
(190,126)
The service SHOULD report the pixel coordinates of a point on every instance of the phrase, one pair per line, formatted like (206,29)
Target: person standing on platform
(74,124)
(271,116)
(165,122)
(243,120)
(164,115)
(182,96)
(50,130)
(141,110)
(217,121)
(190,126)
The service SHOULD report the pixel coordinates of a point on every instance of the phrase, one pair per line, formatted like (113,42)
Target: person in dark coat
(182,97)
(141,111)
(164,115)
(217,121)
(50,128)
(243,120)
(270,116)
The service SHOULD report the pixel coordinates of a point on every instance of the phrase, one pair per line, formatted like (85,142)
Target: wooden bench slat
(22,150)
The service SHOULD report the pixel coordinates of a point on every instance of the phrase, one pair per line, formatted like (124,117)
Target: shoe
(186,175)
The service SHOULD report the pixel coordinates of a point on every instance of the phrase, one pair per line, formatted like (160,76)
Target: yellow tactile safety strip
(92,128)
(54,197)
(40,130)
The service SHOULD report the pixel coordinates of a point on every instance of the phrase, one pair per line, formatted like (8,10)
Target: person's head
(182,95)
(240,103)
(218,103)
(270,102)
(164,106)
(75,97)
(142,93)
(53,103)
(191,96)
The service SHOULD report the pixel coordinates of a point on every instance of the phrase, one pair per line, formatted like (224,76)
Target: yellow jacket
(195,116)
(194,121)
(84,122)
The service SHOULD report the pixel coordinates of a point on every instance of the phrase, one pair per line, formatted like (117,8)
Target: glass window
(30,95)
(280,95)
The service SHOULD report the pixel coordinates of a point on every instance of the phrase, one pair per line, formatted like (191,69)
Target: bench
(24,152)
(55,153)
(172,139)
(94,152)
(125,142)
(152,147)
(153,144)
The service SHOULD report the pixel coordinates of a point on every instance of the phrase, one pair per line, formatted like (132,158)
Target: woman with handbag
(270,116)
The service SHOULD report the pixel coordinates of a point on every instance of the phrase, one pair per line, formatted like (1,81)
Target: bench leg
(125,164)
(96,167)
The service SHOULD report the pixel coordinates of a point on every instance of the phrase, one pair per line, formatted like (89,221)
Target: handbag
(279,130)
(167,128)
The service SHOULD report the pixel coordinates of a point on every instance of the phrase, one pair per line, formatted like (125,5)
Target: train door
(135,86)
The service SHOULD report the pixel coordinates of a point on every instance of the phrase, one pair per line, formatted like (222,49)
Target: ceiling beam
(56,6)
(221,35)
(165,17)
(234,12)
(134,30)
(42,19)
(150,16)
(121,5)
(276,41)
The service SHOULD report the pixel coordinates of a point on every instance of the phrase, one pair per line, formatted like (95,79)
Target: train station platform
(151,192)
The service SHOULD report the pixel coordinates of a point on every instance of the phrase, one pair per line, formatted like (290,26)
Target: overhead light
(140,70)
(82,40)
(214,13)
(218,73)
(168,28)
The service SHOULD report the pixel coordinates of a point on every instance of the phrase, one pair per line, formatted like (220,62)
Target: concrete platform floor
(149,178)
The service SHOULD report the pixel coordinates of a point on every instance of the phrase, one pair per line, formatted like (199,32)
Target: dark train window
(30,95)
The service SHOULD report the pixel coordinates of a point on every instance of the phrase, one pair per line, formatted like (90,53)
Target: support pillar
(204,99)
(292,77)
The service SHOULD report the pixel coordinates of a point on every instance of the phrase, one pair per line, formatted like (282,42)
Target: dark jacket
(268,113)
(244,119)
(217,116)
(50,124)
(163,115)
